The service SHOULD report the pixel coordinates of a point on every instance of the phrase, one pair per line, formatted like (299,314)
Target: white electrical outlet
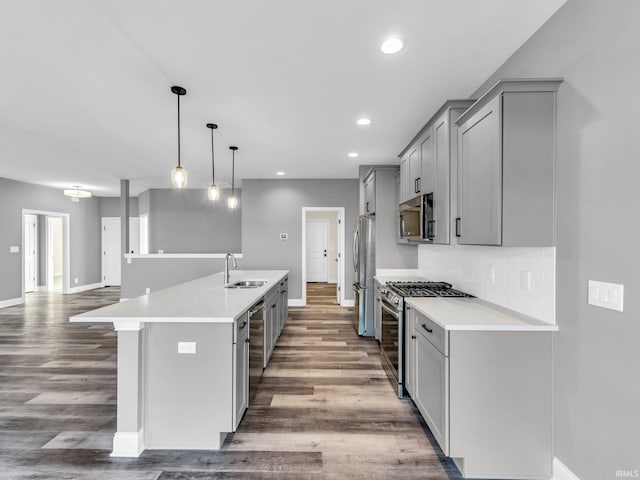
(147,290)
(492,274)
(160,251)
(525,279)
(606,295)
(75,280)
(187,347)
(14,249)
(284,236)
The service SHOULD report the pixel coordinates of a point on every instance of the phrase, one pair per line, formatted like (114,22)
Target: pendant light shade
(179,175)
(232,201)
(213,192)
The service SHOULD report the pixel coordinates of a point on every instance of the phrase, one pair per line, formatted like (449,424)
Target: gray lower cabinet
(410,352)
(506,166)
(271,324)
(283,303)
(240,370)
(486,397)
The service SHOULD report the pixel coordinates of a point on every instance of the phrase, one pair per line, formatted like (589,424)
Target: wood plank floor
(324,408)
(321,293)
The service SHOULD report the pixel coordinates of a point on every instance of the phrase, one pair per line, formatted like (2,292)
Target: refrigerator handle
(355,251)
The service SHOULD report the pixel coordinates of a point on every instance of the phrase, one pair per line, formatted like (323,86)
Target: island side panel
(188,397)
(500,403)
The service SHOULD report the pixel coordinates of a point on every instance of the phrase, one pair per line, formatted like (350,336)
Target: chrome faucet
(226,267)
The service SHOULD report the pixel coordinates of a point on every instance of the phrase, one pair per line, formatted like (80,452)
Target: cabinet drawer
(433,332)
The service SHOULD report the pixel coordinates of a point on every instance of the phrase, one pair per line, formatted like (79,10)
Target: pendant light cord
(213,164)
(178,130)
(233,172)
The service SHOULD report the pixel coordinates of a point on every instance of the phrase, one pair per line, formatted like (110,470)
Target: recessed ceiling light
(391,45)
(281,173)
(364,121)
(353,155)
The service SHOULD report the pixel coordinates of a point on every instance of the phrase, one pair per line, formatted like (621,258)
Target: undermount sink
(247,284)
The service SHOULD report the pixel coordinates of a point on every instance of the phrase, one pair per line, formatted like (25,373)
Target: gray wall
(84,236)
(110,206)
(159,273)
(275,206)
(594,45)
(185,221)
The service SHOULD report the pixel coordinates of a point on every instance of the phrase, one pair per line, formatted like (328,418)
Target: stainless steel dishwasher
(257,316)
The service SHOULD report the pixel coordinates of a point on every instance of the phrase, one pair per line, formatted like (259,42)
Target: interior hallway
(324,408)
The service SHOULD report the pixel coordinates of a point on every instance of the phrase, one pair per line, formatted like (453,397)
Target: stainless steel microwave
(411,219)
(416,219)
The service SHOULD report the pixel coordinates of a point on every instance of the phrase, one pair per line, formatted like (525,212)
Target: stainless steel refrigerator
(365,268)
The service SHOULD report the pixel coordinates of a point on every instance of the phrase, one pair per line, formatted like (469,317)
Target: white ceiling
(86,99)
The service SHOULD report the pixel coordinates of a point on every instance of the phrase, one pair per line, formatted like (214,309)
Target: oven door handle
(392,312)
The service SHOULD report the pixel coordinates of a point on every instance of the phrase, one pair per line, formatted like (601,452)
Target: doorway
(45,251)
(112,248)
(322,253)
(30,249)
(54,254)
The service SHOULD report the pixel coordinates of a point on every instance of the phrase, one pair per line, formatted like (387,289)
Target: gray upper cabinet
(370,194)
(436,146)
(506,165)
(409,174)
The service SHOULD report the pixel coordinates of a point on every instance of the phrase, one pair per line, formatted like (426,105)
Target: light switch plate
(492,274)
(606,295)
(284,236)
(187,347)
(14,249)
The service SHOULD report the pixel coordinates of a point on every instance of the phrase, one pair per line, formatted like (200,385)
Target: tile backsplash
(519,278)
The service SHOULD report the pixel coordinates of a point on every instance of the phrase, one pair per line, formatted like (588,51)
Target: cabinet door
(377,313)
(370,194)
(410,351)
(442,178)
(431,389)
(268,334)
(241,373)
(275,329)
(426,180)
(406,186)
(415,169)
(480,177)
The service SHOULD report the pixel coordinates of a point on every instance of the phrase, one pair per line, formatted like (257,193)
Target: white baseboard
(128,444)
(348,303)
(11,302)
(42,288)
(562,472)
(84,288)
(296,302)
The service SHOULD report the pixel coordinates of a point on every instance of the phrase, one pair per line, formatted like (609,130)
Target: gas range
(425,289)
(394,292)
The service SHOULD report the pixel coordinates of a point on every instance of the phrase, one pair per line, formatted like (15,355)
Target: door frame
(326,223)
(341,243)
(48,247)
(36,266)
(66,251)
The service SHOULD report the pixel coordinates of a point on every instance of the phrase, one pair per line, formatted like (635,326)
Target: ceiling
(86,99)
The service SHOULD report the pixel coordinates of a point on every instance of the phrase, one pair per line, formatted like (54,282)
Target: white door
(111,247)
(111,251)
(317,255)
(30,248)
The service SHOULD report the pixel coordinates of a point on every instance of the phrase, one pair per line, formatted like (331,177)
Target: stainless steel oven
(392,316)
(391,336)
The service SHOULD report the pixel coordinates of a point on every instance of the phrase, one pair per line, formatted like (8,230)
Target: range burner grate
(425,289)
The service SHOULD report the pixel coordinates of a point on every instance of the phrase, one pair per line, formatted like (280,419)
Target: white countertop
(204,300)
(475,314)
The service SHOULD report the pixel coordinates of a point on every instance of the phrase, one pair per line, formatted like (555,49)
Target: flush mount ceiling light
(214,192)
(76,194)
(280,173)
(179,174)
(232,201)
(364,121)
(353,155)
(391,45)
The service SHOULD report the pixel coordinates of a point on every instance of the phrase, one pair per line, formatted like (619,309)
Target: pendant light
(232,201)
(179,174)
(76,194)
(213,192)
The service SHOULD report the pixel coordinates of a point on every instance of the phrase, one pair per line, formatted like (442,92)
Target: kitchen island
(183,360)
